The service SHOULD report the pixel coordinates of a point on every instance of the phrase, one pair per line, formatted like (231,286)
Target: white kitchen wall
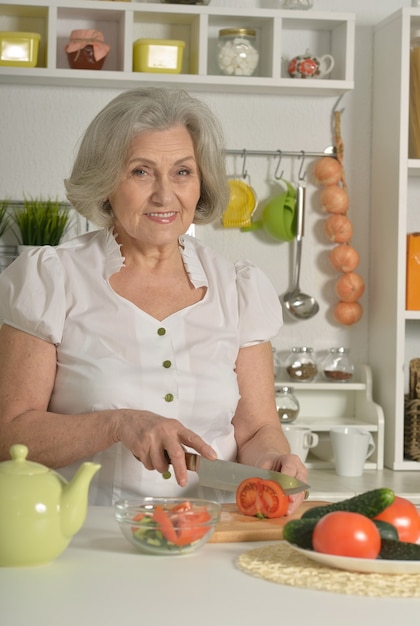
(40,127)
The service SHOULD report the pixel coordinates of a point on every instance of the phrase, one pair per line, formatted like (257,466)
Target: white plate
(367,566)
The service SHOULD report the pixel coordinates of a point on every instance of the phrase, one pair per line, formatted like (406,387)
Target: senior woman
(134,342)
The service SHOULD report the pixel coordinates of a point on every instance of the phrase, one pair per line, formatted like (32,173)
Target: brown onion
(350,287)
(334,199)
(338,228)
(327,171)
(348,313)
(344,258)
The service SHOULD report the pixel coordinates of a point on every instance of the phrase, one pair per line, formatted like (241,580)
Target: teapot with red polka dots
(310,66)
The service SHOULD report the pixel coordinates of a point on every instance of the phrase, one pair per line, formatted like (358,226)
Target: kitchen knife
(227,476)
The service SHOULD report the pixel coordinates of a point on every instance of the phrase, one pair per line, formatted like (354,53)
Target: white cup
(300,439)
(351,447)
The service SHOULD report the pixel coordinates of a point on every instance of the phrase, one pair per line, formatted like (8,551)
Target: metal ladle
(300,305)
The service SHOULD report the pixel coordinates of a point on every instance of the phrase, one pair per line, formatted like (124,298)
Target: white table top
(100,580)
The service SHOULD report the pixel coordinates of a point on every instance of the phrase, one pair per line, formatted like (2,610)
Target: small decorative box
(19,49)
(158,55)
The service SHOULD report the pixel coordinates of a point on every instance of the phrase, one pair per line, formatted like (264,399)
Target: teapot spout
(74,499)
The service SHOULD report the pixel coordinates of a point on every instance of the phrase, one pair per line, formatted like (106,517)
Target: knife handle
(191,460)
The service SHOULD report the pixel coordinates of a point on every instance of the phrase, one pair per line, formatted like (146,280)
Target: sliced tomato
(181,507)
(165,525)
(191,526)
(137,518)
(257,496)
(182,524)
(404,516)
(347,534)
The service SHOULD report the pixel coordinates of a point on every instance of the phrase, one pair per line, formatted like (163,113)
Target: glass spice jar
(237,53)
(277,363)
(337,366)
(300,365)
(300,5)
(287,405)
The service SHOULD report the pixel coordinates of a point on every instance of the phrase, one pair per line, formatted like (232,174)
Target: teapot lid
(19,465)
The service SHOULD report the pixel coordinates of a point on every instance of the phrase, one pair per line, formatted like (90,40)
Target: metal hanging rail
(330,151)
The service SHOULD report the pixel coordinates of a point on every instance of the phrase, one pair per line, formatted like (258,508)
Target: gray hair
(105,147)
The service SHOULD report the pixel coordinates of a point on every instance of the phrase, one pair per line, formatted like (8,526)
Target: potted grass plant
(41,222)
(5,221)
(7,252)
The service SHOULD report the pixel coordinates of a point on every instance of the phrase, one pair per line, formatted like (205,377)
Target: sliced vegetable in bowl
(167,526)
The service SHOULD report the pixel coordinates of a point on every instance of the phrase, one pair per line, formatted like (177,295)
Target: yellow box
(412,298)
(158,55)
(19,49)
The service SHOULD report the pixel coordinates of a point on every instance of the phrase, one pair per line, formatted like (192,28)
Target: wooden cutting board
(235,526)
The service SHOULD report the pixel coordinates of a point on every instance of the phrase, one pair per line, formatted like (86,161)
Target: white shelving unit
(394,333)
(324,405)
(281,35)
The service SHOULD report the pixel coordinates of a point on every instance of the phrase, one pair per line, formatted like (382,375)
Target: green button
(169,397)
(161,331)
(167,364)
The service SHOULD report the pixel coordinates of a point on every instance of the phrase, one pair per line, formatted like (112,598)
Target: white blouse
(111,354)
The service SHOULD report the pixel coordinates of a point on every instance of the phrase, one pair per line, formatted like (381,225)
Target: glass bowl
(167,525)
(205,2)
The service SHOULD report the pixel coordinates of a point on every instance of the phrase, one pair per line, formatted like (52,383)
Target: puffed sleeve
(260,312)
(32,295)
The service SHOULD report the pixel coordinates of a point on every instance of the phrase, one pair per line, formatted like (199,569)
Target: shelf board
(324,424)
(412,315)
(320,386)
(315,464)
(413,167)
(216,83)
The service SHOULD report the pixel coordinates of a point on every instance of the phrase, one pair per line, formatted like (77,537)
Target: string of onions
(329,173)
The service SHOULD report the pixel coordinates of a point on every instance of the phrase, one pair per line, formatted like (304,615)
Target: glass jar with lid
(300,5)
(287,405)
(301,365)
(338,366)
(237,52)
(277,363)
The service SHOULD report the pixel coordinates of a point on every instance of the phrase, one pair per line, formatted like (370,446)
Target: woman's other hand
(291,465)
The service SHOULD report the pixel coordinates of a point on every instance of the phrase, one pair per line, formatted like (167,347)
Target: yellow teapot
(40,511)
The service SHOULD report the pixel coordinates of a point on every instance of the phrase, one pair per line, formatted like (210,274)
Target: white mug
(300,439)
(351,447)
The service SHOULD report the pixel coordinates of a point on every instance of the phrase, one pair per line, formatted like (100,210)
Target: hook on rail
(276,173)
(244,171)
(337,102)
(301,173)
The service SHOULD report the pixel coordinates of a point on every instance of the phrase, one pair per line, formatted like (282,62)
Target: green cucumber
(392,550)
(386,530)
(299,532)
(370,504)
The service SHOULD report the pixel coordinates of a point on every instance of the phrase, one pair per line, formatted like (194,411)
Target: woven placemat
(279,563)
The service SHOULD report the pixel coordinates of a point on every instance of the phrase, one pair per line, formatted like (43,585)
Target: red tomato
(182,524)
(256,496)
(347,534)
(181,507)
(165,525)
(404,516)
(191,526)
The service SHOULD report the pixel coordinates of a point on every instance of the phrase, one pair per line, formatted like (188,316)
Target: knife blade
(227,475)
